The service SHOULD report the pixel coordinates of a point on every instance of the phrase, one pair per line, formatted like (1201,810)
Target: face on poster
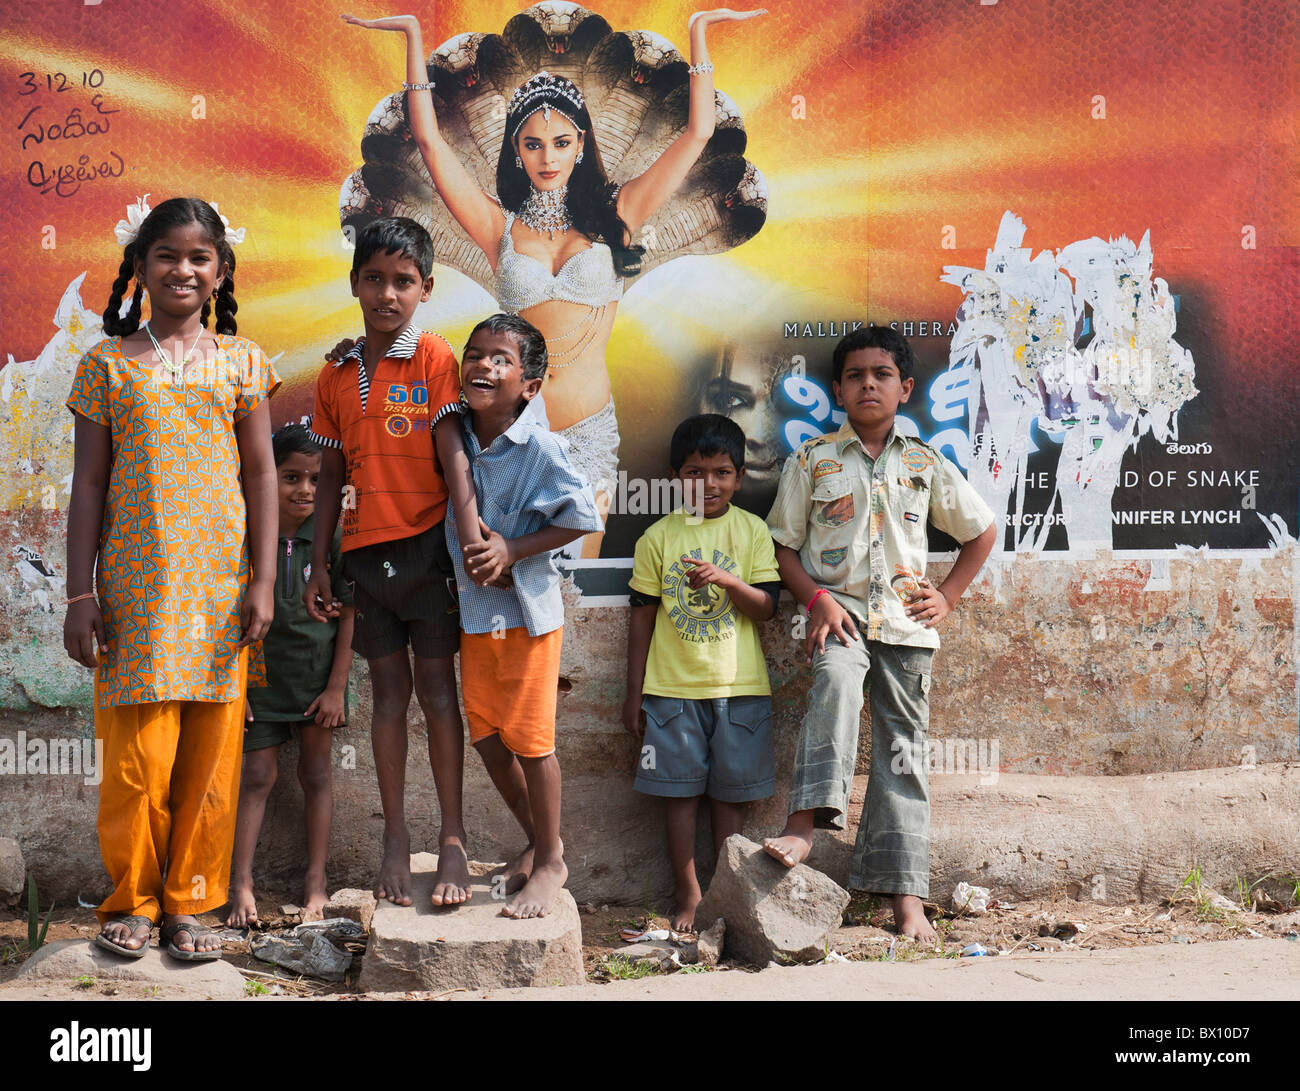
(1094,271)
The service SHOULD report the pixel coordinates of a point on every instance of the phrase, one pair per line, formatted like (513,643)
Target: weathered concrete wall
(1050,666)
(1069,667)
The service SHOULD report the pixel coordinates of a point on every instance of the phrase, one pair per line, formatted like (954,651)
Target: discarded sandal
(169,932)
(132,921)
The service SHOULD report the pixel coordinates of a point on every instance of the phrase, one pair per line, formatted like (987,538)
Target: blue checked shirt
(524,482)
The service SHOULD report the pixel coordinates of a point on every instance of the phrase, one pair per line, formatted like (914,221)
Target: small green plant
(152,991)
(9,954)
(624,969)
(1243,894)
(85,981)
(1206,911)
(36,930)
(698,968)
(254,988)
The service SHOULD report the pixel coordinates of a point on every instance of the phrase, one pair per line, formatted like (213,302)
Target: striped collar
(403,348)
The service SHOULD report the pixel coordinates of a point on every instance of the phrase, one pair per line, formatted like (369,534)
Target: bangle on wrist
(699,69)
(816,595)
(416,86)
(80,598)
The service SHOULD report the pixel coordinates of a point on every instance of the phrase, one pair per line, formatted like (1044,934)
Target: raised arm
(475,211)
(638,200)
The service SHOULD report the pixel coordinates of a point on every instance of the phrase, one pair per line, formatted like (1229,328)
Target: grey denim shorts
(720,747)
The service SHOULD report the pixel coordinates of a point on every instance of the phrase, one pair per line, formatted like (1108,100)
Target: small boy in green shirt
(698,697)
(307,667)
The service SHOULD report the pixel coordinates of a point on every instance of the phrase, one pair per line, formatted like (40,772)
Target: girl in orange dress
(173,494)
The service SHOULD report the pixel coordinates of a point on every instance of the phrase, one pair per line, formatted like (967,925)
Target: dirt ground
(1026,929)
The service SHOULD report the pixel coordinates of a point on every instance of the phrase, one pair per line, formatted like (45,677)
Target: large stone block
(422,948)
(67,961)
(773,913)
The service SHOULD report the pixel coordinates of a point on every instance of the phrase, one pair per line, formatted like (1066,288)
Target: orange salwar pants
(167,802)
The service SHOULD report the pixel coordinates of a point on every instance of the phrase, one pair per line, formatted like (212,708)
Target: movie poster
(1082,216)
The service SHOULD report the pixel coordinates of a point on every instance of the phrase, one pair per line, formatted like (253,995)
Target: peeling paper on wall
(1018,332)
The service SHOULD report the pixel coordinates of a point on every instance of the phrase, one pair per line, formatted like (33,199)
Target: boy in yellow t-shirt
(698,698)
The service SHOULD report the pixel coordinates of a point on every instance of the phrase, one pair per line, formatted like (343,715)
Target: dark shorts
(721,748)
(259,734)
(405,593)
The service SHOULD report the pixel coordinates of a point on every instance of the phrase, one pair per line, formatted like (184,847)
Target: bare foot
(539,893)
(911,921)
(394,882)
(314,898)
(686,900)
(451,884)
(517,871)
(788,849)
(243,907)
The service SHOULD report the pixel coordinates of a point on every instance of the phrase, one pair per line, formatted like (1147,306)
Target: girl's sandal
(132,922)
(169,932)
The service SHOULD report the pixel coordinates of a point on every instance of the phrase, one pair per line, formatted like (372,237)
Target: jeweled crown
(542,85)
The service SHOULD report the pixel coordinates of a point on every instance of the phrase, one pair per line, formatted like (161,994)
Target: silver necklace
(174,370)
(546,210)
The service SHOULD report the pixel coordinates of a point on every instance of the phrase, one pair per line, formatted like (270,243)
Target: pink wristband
(816,595)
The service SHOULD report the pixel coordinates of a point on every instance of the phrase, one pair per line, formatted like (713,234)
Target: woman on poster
(557,233)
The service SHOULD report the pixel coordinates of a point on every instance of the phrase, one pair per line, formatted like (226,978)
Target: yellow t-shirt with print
(703,647)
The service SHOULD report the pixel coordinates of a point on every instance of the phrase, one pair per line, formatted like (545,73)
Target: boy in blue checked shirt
(531,502)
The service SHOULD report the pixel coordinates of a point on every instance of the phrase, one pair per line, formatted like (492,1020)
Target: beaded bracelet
(699,69)
(416,86)
(816,595)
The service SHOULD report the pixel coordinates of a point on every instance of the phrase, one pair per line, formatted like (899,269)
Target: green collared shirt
(859,524)
(299,651)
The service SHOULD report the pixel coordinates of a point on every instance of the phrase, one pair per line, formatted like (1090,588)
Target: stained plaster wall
(1097,665)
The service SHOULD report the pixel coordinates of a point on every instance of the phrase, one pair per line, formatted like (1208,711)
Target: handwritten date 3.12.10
(48,127)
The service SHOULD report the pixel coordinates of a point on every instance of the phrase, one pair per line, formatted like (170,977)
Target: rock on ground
(709,945)
(12,871)
(423,948)
(356,905)
(772,913)
(69,960)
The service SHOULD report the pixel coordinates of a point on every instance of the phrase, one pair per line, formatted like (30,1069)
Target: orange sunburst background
(883,129)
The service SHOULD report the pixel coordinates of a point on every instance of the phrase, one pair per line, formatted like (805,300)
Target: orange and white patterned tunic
(173,559)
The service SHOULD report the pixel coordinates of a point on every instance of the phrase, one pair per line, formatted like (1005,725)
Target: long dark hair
(177,212)
(591,197)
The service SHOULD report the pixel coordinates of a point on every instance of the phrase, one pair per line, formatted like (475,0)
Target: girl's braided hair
(177,212)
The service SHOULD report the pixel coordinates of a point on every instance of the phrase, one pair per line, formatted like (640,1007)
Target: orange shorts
(509,681)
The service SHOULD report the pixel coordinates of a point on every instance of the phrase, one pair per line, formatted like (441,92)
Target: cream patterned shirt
(859,523)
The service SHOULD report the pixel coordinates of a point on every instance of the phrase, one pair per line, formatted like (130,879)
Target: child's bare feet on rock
(314,898)
(243,908)
(794,843)
(518,870)
(394,882)
(788,849)
(911,921)
(451,883)
(539,893)
(686,901)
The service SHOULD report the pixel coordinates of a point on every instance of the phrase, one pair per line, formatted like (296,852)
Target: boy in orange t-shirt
(386,416)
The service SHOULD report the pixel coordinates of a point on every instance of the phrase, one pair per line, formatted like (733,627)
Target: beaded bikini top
(588,277)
